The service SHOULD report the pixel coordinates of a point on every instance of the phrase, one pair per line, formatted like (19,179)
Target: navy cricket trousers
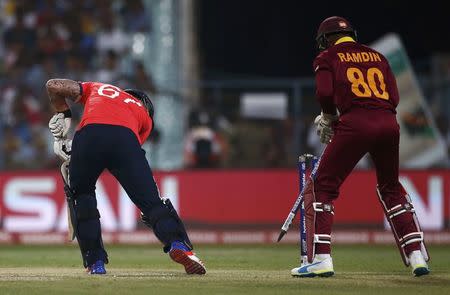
(116,148)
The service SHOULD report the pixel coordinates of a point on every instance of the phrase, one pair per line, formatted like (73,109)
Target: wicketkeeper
(114,125)
(358,82)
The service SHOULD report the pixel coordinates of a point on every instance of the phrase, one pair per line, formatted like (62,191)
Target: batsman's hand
(59,125)
(324,124)
(63,148)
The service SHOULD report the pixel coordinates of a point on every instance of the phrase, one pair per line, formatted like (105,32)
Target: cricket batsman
(114,125)
(358,96)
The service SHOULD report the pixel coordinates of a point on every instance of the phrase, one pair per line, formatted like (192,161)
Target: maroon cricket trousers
(359,131)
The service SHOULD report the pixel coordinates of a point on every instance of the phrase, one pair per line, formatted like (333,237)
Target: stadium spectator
(142,79)
(19,33)
(17,39)
(111,36)
(40,71)
(203,147)
(110,71)
(41,39)
(135,17)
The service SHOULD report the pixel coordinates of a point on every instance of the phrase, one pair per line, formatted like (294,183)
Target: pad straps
(411,238)
(400,209)
(321,207)
(322,239)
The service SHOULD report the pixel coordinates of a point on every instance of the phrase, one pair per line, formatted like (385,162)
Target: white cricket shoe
(321,266)
(418,264)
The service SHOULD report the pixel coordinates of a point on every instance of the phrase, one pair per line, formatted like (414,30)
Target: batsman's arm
(61,89)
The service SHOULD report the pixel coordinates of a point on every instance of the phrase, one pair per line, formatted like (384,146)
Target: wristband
(67,113)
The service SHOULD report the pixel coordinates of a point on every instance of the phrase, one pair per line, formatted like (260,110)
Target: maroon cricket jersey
(350,74)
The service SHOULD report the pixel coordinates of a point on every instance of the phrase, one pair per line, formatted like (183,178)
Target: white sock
(321,257)
(415,252)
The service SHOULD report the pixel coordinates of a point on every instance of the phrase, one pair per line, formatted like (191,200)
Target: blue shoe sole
(97,273)
(102,272)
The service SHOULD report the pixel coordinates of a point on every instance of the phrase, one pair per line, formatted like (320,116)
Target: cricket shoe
(321,266)
(98,268)
(418,264)
(180,253)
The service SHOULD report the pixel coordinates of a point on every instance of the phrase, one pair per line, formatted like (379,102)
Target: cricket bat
(71,217)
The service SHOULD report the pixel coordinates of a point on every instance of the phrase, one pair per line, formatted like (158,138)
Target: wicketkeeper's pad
(415,236)
(311,209)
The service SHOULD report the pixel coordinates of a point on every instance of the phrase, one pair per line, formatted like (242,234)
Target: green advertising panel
(421,144)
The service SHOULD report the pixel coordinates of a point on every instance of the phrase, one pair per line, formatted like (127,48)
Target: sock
(321,257)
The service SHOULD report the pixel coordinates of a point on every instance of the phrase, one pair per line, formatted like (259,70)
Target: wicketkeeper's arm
(324,87)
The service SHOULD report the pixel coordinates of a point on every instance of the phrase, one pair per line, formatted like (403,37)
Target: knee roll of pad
(166,211)
(86,207)
(151,218)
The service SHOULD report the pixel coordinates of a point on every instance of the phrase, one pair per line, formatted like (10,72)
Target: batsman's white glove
(63,148)
(324,127)
(59,125)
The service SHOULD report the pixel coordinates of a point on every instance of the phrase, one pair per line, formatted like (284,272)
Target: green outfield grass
(231,270)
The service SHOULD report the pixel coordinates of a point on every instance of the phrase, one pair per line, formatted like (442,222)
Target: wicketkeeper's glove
(324,124)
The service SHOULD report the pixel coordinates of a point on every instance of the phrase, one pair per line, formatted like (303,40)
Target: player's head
(332,27)
(143,97)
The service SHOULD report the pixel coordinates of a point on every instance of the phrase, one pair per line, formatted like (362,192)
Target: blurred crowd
(220,136)
(92,40)
(85,40)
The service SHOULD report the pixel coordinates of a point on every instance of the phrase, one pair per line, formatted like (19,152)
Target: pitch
(245,269)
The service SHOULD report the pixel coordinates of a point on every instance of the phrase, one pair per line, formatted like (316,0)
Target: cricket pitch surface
(231,269)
